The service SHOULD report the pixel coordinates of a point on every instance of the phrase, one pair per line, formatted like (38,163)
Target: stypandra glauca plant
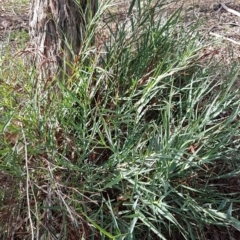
(142,143)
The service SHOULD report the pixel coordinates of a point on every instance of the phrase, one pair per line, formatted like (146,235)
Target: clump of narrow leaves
(141,142)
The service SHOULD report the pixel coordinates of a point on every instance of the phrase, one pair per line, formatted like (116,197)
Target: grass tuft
(142,143)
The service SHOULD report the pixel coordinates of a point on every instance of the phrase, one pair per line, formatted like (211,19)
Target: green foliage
(136,144)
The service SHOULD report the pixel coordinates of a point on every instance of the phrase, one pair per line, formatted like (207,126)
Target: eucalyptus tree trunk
(57,28)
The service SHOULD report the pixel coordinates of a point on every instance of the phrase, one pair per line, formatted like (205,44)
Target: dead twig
(28,180)
(225,38)
(230,10)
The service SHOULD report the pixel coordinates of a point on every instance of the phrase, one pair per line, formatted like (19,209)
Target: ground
(215,18)
(217,22)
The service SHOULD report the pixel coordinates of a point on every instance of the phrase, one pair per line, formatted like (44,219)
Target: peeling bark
(57,29)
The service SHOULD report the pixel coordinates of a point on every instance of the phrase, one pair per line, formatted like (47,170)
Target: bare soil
(12,17)
(217,22)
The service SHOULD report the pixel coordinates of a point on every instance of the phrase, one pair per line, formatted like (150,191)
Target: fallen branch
(225,38)
(230,10)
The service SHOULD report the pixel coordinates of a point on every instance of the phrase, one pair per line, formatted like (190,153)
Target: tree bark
(57,28)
